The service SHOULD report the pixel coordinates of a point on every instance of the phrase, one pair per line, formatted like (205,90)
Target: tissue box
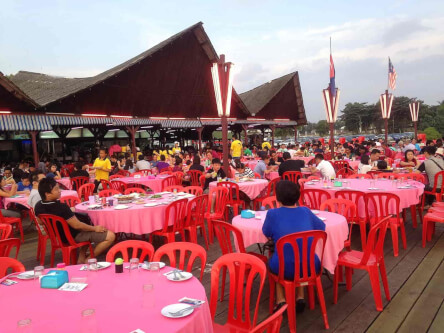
(338,184)
(247,214)
(54,279)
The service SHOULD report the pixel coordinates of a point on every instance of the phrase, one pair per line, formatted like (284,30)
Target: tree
(322,127)
(432,133)
(358,117)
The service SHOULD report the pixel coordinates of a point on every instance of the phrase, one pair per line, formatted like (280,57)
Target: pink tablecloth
(137,219)
(408,197)
(153,183)
(23,199)
(336,228)
(354,164)
(251,164)
(251,188)
(305,159)
(66,182)
(272,175)
(118,301)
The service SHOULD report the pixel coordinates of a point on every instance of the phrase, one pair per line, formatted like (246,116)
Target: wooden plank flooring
(355,310)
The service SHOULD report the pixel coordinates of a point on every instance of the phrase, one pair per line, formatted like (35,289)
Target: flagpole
(388,75)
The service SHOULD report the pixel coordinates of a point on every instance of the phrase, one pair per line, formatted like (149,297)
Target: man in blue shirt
(262,165)
(25,185)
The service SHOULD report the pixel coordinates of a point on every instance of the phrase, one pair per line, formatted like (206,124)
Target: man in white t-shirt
(142,164)
(292,150)
(324,167)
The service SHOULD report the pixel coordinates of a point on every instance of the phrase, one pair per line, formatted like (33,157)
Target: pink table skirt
(153,183)
(252,189)
(23,199)
(251,164)
(137,219)
(336,228)
(305,159)
(66,182)
(408,197)
(272,175)
(118,301)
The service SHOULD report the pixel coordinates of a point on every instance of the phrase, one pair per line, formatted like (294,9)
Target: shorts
(91,236)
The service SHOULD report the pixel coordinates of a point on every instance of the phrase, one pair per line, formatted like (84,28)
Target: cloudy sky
(265,39)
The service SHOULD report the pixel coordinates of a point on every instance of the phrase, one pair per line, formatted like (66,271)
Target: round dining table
(22,199)
(137,218)
(153,182)
(336,227)
(66,182)
(303,158)
(409,192)
(119,302)
(252,187)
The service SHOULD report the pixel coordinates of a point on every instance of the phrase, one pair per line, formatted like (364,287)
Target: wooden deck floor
(415,280)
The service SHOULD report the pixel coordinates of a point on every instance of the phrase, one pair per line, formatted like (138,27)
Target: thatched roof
(279,98)
(12,97)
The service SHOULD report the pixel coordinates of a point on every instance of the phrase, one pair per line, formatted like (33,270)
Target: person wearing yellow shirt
(266,145)
(101,167)
(236,148)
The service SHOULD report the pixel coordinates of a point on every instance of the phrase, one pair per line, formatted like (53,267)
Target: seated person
(432,165)
(162,164)
(409,160)
(25,185)
(374,158)
(79,170)
(53,172)
(324,167)
(215,172)
(382,166)
(7,193)
(177,164)
(81,232)
(262,167)
(154,161)
(196,164)
(34,196)
(243,171)
(283,221)
(7,176)
(143,164)
(289,164)
(363,166)
(274,159)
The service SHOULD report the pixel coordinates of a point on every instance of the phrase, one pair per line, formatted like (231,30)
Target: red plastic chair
(257,176)
(242,269)
(85,191)
(434,192)
(116,176)
(413,208)
(15,222)
(190,251)
(217,199)
(345,172)
(7,245)
(370,259)
(108,193)
(125,173)
(69,253)
(382,202)
(179,177)
(341,164)
(169,181)
(374,174)
(412,176)
(272,324)
(134,190)
(202,180)
(387,175)
(195,177)
(344,207)
(176,212)
(196,217)
(292,176)
(234,200)
(166,171)
(359,176)
(428,224)
(76,182)
(42,238)
(70,200)
(313,177)
(146,251)
(178,188)
(271,189)
(224,231)
(118,185)
(313,198)
(305,277)
(194,190)
(5,231)
(10,263)
(106,185)
(270,202)
(139,173)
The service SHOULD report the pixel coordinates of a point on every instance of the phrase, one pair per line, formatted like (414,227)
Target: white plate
(118,207)
(29,275)
(314,180)
(321,218)
(151,204)
(161,265)
(186,275)
(176,307)
(373,188)
(316,212)
(103,264)
(94,206)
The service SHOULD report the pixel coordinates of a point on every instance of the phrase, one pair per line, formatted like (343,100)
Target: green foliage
(432,133)
(322,127)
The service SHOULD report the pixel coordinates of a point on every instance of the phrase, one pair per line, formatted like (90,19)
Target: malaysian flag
(332,77)
(392,76)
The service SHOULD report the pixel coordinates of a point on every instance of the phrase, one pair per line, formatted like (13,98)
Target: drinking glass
(89,324)
(38,271)
(148,296)
(134,264)
(340,177)
(92,265)
(24,325)
(155,267)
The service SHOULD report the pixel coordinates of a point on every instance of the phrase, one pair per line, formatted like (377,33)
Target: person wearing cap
(266,145)
(176,149)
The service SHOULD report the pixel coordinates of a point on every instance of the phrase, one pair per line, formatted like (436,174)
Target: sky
(264,39)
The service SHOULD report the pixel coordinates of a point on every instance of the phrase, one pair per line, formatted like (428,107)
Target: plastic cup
(89,323)
(92,265)
(148,299)
(24,325)
(155,268)
(38,272)
(92,199)
(134,265)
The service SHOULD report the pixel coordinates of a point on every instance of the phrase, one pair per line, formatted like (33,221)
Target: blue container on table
(247,214)
(54,279)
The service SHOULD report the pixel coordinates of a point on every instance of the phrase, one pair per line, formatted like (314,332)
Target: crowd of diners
(40,182)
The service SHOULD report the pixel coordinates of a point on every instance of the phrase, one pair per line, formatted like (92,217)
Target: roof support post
(225,143)
(245,128)
(132,132)
(62,133)
(35,153)
(199,134)
(295,134)
(272,127)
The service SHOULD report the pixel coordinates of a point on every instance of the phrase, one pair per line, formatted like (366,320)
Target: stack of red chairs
(434,215)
